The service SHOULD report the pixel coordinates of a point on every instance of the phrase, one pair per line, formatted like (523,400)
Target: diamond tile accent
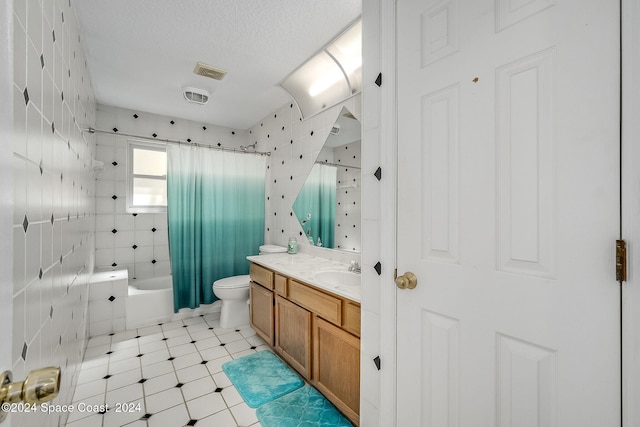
(26,96)
(218,390)
(153,229)
(172,122)
(142,381)
(40,274)
(114,197)
(154,135)
(106,377)
(114,163)
(146,416)
(112,298)
(153,261)
(114,231)
(192,422)
(179,385)
(135,116)
(135,246)
(24,352)
(25,223)
(140,355)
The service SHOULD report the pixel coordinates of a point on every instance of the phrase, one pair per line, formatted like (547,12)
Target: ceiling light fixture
(330,76)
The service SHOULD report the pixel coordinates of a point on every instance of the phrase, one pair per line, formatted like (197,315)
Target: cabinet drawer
(351,318)
(261,275)
(325,306)
(281,285)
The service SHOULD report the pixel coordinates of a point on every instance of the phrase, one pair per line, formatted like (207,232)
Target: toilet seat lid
(272,249)
(233,282)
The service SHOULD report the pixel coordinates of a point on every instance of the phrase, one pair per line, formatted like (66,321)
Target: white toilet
(234,294)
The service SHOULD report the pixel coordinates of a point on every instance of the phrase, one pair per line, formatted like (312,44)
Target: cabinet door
(262,312)
(293,335)
(336,367)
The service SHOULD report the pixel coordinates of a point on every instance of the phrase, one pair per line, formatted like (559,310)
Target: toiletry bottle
(319,242)
(292,247)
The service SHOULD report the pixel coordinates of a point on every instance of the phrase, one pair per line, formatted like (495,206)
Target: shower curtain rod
(338,165)
(175,141)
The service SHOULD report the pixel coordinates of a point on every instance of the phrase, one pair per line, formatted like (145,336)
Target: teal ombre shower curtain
(215,206)
(318,199)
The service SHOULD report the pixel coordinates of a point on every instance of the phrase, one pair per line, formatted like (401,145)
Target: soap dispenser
(292,247)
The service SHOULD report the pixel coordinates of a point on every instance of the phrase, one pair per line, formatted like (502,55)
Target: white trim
(630,210)
(388,200)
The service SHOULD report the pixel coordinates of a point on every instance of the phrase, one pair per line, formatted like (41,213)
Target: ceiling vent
(195,95)
(209,71)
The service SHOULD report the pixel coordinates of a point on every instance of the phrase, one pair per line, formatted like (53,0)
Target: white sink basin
(339,277)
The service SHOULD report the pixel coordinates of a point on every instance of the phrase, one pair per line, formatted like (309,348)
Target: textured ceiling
(141,53)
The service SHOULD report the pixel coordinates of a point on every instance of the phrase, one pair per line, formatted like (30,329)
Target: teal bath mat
(261,377)
(305,407)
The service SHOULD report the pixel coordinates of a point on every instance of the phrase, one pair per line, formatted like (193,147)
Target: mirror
(328,204)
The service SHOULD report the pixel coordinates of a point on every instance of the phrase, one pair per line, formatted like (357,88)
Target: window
(147,186)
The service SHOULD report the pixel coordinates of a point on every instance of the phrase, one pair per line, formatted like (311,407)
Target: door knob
(41,385)
(407,281)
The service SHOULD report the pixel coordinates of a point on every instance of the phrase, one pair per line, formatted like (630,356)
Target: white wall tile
(43,155)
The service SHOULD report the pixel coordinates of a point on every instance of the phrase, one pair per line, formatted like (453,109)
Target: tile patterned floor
(167,375)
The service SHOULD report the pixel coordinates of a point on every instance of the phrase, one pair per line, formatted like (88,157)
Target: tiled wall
(294,147)
(54,185)
(378,237)
(139,242)
(348,194)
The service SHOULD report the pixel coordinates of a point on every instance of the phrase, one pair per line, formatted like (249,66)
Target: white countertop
(304,267)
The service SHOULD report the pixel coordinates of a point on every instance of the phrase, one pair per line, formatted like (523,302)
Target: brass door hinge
(621,261)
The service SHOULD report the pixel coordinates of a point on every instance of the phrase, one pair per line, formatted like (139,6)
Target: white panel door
(508,211)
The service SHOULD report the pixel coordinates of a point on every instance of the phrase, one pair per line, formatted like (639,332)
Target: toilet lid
(233,282)
(272,249)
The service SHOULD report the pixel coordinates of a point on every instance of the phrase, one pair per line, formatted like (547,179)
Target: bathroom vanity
(307,309)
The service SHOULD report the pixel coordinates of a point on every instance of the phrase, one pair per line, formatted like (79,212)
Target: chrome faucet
(354,267)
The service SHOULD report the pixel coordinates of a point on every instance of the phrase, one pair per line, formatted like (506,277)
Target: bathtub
(150,301)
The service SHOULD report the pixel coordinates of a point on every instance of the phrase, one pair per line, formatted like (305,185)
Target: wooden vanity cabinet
(293,335)
(314,331)
(336,366)
(261,312)
(261,302)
